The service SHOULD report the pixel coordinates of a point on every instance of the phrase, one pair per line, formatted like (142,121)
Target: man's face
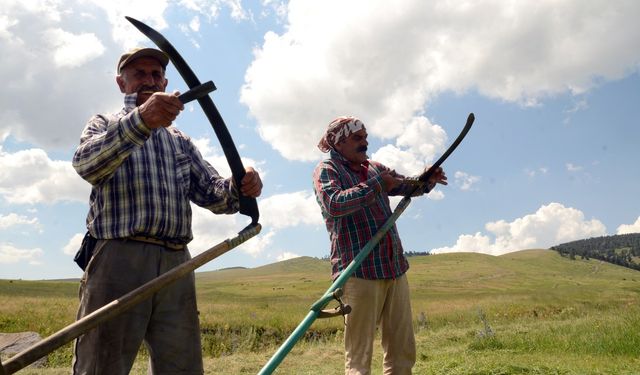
(143,75)
(354,147)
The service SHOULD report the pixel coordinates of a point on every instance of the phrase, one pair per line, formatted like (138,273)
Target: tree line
(620,249)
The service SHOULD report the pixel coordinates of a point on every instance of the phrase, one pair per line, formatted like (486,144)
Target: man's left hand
(251,185)
(438,177)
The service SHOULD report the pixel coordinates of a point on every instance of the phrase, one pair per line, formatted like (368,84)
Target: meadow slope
(527,312)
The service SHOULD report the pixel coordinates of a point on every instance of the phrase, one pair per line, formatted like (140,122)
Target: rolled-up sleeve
(336,201)
(106,143)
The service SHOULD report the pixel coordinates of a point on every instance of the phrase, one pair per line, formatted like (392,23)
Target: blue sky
(552,157)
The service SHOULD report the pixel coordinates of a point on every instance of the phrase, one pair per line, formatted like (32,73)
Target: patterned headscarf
(338,130)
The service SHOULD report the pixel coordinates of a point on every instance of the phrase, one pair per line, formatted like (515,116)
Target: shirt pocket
(183,171)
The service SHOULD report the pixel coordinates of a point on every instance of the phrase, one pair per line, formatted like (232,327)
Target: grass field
(529,312)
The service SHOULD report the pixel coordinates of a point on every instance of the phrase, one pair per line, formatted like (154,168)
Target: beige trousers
(384,303)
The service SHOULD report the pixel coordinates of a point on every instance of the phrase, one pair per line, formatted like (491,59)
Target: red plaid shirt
(353,211)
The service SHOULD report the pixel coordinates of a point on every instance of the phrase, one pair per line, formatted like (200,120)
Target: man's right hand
(160,109)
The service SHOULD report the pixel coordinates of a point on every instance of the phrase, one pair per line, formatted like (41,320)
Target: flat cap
(138,52)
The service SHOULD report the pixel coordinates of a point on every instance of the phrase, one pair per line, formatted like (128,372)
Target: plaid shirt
(353,211)
(143,179)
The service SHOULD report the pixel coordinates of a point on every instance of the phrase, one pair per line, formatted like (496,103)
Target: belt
(155,241)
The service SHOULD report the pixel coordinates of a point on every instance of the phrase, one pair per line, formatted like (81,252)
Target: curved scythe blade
(425,176)
(248,206)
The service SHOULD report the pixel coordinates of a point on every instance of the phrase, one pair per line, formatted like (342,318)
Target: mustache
(361,149)
(147,89)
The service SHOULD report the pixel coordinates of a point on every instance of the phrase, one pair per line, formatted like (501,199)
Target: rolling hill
(538,303)
(444,282)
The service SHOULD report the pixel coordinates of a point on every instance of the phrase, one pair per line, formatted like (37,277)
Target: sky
(552,157)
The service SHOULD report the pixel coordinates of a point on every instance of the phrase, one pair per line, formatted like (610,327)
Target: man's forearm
(105,145)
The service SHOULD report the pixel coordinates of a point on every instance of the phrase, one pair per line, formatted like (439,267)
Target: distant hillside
(449,274)
(622,249)
(300,265)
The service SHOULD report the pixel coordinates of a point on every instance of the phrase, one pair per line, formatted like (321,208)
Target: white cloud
(148,11)
(551,225)
(5,24)
(195,5)
(62,63)
(534,172)
(580,105)
(436,194)
(216,158)
(383,63)
(257,245)
(290,210)
(74,244)
(61,67)
(211,8)
(194,25)
(573,167)
(416,134)
(7,221)
(629,228)
(277,212)
(10,254)
(418,144)
(237,12)
(49,10)
(277,7)
(30,177)
(286,256)
(72,50)
(58,72)
(210,229)
(465,180)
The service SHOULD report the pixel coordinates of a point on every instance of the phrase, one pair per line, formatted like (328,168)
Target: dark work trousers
(167,322)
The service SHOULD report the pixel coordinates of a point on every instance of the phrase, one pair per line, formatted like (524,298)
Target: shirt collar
(130,102)
(338,157)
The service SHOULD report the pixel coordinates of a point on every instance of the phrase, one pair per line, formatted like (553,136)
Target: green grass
(530,312)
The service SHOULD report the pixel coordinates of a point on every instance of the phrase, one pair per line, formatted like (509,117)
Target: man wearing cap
(353,194)
(144,173)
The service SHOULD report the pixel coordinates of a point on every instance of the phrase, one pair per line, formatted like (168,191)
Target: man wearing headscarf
(353,194)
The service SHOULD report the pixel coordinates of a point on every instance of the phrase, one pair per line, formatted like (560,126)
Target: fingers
(441,177)
(438,177)
(168,102)
(251,184)
(160,110)
(390,182)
